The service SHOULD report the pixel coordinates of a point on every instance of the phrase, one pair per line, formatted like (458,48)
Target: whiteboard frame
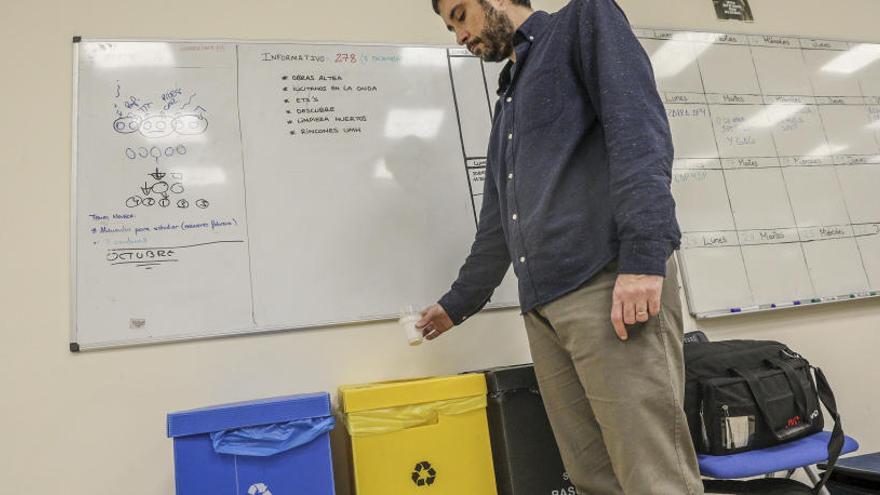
(74,346)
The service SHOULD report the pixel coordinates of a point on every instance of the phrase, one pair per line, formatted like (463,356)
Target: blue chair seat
(792,455)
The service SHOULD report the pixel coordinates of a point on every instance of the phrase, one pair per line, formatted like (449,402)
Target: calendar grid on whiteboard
(764,142)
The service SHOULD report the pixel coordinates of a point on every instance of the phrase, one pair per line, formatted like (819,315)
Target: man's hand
(434,322)
(635,299)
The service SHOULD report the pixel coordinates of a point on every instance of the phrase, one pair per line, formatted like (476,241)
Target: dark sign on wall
(737,10)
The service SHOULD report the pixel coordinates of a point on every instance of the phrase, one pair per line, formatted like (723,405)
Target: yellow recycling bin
(419,437)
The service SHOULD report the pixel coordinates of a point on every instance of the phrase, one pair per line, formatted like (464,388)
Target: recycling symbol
(423,474)
(259,489)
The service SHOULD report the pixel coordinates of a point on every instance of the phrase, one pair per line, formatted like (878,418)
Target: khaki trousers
(616,407)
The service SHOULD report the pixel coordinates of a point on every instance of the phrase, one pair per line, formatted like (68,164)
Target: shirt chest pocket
(539,100)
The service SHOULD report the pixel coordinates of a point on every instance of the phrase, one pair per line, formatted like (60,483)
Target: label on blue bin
(259,489)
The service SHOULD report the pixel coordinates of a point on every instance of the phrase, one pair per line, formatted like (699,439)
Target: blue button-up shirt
(579,163)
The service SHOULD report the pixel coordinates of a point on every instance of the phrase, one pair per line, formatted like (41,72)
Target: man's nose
(462,37)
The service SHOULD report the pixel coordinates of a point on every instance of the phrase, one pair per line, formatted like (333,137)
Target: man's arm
(619,79)
(621,85)
(482,272)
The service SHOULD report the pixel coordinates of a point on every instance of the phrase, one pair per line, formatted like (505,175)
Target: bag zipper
(790,354)
(728,353)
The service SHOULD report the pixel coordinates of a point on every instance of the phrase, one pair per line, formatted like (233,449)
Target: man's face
(486,31)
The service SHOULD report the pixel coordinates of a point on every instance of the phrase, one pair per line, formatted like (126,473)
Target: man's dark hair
(525,3)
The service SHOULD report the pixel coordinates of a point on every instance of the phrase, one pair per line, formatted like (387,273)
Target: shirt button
(510,136)
(510,176)
(531,38)
(509,99)
(514,216)
(522,259)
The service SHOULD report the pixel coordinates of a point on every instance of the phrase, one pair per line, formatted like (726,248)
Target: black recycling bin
(524,451)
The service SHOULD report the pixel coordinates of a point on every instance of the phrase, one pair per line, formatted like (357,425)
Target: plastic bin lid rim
(248,413)
(385,395)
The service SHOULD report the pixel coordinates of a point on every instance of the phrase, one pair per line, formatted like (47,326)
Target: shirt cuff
(642,257)
(453,307)
(456,308)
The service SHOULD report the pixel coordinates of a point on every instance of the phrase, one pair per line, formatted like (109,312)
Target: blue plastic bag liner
(251,413)
(266,440)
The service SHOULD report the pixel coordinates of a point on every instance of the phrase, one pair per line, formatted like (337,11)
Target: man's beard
(497,36)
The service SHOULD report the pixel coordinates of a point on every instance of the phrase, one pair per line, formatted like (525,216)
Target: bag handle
(826,396)
(760,396)
(800,395)
(835,443)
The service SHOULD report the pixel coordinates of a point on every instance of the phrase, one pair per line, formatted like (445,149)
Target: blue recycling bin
(263,447)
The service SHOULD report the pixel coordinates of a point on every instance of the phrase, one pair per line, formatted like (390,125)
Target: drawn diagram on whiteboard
(154,152)
(174,113)
(160,192)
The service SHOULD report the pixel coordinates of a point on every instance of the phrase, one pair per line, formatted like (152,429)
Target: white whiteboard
(224,188)
(777,169)
(197,213)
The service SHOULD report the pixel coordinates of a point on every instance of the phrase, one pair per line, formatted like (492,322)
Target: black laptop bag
(745,395)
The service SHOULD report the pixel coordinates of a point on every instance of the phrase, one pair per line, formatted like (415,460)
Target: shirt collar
(533,26)
(528,33)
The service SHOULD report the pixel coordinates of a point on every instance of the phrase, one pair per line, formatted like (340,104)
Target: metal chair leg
(814,477)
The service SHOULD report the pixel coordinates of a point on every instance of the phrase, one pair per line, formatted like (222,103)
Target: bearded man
(577,197)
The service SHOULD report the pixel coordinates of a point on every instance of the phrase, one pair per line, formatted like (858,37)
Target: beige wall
(94,423)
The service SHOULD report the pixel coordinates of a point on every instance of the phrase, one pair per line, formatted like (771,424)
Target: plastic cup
(409,316)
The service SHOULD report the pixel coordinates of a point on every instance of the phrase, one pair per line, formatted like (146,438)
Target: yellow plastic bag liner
(389,420)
